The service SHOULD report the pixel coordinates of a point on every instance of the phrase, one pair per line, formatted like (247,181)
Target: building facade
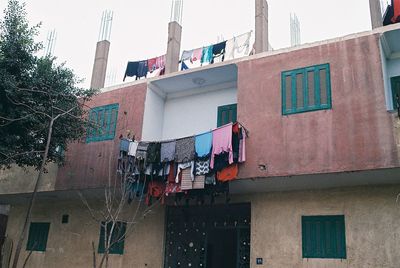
(318,188)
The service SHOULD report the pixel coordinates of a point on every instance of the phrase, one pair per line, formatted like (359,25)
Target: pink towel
(160,62)
(222,142)
(197,53)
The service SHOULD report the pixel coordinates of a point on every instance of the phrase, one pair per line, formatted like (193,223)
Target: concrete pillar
(261,26)
(100,64)
(376,15)
(173,47)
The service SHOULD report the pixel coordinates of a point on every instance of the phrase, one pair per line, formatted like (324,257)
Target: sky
(139,28)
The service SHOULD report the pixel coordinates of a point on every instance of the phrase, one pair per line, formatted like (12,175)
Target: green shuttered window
(117,237)
(306,89)
(323,237)
(226,114)
(103,121)
(38,234)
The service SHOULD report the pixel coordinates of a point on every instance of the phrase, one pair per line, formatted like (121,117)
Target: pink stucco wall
(356,134)
(87,164)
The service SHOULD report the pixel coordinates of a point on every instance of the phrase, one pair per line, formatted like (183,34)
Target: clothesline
(235,47)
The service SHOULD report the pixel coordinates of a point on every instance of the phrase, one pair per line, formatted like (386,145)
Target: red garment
(173,188)
(235,128)
(171,175)
(229,173)
(160,62)
(155,189)
(152,64)
(396,11)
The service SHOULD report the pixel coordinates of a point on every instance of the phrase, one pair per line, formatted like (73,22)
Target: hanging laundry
(218,52)
(235,142)
(142,69)
(221,161)
(229,49)
(202,167)
(160,62)
(203,143)
(131,69)
(196,55)
(207,54)
(210,179)
(242,145)
(184,150)
(229,173)
(152,64)
(168,151)
(141,151)
(184,66)
(186,55)
(238,47)
(222,142)
(198,182)
(153,152)
(172,188)
(132,148)
(172,172)
(184,166)
(186,182)
(124,145)
(155,189)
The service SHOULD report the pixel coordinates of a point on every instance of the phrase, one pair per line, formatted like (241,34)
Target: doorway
(216,236)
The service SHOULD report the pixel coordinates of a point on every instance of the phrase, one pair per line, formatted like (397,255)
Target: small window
(323,237)
(38,234)
(65,218)
(306,89)
(395,81)
(102,123)
(226,114)
(117,237)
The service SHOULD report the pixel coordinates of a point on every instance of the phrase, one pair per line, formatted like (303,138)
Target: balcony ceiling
(202,78)
(391,43)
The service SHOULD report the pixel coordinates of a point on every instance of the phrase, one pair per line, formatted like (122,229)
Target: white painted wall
(194,114)
(153,116)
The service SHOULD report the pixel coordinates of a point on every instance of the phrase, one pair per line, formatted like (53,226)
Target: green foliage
(33,91)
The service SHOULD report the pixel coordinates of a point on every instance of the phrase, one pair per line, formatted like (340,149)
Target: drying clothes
(184,166)
(131,69)
(218,50)
(222,142)
(187,55)
(202,167)
(172,188)
(210,179)
(207,54)
(229,173)
(141,151)
(124,145)
(186,182)
(198,182)
(235,142)
(155,189)
(238,47)
(132,148)
(153,152)
(196,55)
(242,146)
(142,69)
(172,172)
(221,161)
(184,66)
(184,151)
(151,63)
(160,62)
(167,151)
(203,143)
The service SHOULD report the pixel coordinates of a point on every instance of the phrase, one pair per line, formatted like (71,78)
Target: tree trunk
(33,197)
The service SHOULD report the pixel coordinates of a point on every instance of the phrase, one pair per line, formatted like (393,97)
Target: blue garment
(203,144)
(131,69)
(207,54)
(124,145)
(184,66)
(143,68)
